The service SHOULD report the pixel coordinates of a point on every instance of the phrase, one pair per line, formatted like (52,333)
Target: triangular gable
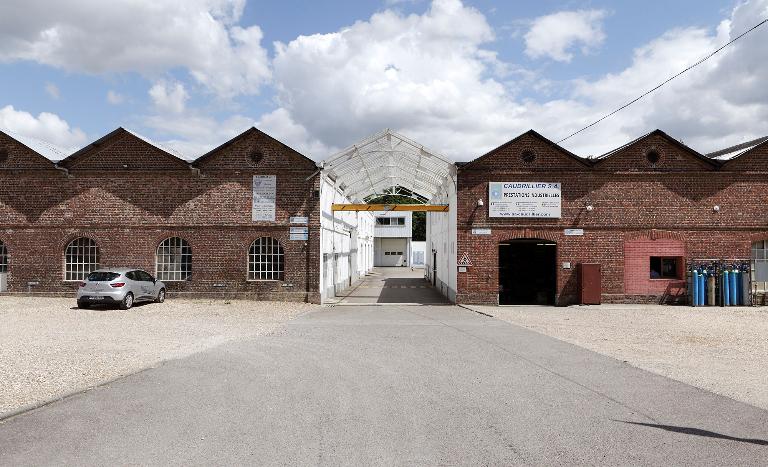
(122,149)
(528,152)
(655,151)
(254,149)
(17,152)
(754,159)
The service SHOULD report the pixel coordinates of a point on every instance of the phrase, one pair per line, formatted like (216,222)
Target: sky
(459,77)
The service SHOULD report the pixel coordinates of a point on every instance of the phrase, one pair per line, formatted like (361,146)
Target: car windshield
(101,276)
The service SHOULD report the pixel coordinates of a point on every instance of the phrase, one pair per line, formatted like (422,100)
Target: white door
(393,252)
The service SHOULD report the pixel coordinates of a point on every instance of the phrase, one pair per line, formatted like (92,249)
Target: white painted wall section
(346,242)
(440,256)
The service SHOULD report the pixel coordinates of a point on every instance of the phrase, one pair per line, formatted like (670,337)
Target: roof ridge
(48,149)
(737,147)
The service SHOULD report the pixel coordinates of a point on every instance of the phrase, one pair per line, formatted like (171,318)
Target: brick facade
(639,210)
(129,195)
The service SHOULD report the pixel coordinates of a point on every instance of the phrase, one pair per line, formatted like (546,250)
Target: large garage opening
(527,272)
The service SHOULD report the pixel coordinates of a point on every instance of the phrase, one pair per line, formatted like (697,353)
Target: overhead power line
(666,81)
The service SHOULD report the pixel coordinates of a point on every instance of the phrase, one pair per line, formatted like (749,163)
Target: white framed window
(173,260)
(80,258)
(3,258)
(390,221)
(265,260)
(760,265)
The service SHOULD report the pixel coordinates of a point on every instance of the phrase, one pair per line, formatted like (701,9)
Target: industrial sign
(264,193)
(524,199)
(299,220)
(299,233)
(464,261)
(573,232)
(481,231)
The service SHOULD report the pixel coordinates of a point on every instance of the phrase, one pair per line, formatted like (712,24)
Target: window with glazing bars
(760,265)
(173,261)
(3,258)
(80,258)
(265,260)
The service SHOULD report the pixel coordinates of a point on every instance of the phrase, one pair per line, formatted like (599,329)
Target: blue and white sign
(299,233)
(524,200)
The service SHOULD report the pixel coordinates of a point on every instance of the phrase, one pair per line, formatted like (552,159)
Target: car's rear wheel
(160,296)
(127,301)
(82,304)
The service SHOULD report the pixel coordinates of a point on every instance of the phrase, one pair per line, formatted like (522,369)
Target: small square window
(664,267)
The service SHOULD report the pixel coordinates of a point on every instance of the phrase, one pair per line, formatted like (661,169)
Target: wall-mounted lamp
(716,208)
(589,208)
(480,202)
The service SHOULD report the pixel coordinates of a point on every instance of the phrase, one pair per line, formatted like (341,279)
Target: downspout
(63,169)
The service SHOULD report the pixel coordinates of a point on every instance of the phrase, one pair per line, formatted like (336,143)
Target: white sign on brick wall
(264,194)
(524,199)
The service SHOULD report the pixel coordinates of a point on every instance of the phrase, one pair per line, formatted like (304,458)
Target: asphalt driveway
(391,385)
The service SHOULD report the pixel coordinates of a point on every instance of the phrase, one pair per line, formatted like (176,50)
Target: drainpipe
(66,171)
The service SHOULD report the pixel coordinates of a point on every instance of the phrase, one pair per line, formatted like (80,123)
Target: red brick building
(643,212)
(124,201)
(248,219)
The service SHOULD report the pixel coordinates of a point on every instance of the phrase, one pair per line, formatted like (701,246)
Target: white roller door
(393,252)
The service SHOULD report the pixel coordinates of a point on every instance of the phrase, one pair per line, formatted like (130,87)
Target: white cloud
(115,98)
(52,90)
(143,36)
(556,35)
(721,102)
(435,78)
(169,97)
(425,74)
(192,134)
(280,125)
(46,126)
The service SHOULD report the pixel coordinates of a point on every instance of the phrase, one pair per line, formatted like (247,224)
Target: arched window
(173,261)
(80,258)
(265,260)
(760,265)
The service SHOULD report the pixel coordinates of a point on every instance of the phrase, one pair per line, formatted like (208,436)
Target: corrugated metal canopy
(385,162)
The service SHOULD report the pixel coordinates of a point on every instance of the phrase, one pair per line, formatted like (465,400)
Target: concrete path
(392,385)
(392,285)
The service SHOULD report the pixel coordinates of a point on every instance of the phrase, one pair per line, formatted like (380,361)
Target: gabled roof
(535,134)
(170,153)
(598,160)
(733,152)
(45,149)
(242,135)
(387,160)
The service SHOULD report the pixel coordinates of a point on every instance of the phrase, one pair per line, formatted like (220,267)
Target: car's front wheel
(160,296)
(82,304)
(127,301)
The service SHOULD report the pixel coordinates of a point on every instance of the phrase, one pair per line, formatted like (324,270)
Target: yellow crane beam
(390,207)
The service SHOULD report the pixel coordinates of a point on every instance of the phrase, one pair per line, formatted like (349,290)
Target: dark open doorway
(527,272)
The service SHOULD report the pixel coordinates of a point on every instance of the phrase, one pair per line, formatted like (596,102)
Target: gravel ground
(723,350)
(49,348)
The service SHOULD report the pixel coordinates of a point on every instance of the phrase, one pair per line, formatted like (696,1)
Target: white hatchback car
(119,286)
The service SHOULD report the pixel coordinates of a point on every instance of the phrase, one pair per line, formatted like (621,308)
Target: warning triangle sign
(465,261)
